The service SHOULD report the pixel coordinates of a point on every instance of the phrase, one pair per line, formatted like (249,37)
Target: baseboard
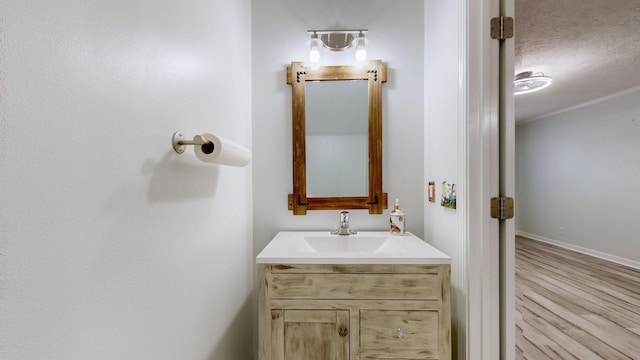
(580,249)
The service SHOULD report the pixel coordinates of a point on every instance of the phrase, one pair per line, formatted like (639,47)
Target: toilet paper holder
(179,143)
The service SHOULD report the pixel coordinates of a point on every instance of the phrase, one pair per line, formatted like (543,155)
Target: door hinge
(502,208)
(502,28)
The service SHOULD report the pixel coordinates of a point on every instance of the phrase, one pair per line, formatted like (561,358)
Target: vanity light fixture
(337,40)
(528,82)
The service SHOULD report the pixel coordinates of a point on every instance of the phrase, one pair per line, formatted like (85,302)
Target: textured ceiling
(591,49)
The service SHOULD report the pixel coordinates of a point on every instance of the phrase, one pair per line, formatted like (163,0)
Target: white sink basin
(371,247)
(349,243)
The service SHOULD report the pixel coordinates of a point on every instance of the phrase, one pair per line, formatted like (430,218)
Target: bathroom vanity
(369,296)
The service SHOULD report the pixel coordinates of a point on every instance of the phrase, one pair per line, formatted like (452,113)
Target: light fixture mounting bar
(349,31)
(338,40)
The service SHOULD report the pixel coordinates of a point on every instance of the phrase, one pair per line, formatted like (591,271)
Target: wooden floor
(574,306)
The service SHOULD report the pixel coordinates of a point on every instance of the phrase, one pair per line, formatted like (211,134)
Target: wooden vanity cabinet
(357,312)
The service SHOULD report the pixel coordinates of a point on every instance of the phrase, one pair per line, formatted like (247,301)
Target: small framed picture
(448,195)
(431,191)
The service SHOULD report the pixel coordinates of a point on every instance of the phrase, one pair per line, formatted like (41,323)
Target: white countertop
(367,247)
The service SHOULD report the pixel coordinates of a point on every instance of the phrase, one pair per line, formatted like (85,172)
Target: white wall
(279,37)
(441,133)
(111,245)
(580,170)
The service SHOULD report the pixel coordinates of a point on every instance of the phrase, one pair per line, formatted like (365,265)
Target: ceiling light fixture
(528,82)
(337,40)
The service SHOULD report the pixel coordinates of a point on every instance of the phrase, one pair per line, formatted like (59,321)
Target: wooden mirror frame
(375,72)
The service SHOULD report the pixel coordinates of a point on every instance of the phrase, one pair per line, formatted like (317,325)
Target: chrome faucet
(343,228)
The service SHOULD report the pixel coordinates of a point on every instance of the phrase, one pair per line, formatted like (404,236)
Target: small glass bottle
(397,220)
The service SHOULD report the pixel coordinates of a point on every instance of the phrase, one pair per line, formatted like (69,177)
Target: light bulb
(314,50)
(361,52)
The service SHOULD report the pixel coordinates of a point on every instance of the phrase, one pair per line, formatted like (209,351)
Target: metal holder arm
(178,142)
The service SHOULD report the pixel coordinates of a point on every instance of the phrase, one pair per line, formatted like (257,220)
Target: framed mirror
(337,137)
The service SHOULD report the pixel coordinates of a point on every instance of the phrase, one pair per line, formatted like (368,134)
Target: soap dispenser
(397,220)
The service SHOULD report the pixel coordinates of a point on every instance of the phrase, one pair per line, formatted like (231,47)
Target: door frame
(487,142)
(479,169)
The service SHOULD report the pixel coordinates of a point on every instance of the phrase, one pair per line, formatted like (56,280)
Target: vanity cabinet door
(310,334)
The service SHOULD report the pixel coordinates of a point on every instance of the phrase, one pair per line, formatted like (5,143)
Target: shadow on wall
(179,177)
(229,347)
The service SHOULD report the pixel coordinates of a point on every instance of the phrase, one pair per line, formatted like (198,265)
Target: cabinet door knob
(343,331)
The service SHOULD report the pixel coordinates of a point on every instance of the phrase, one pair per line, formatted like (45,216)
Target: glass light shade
(361,51)
(314,50)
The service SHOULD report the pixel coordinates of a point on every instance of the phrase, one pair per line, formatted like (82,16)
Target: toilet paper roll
(223,152)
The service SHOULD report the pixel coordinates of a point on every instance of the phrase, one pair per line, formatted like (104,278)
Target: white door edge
(507,188)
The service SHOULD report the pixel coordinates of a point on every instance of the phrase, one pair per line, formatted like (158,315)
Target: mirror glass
(337,147)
